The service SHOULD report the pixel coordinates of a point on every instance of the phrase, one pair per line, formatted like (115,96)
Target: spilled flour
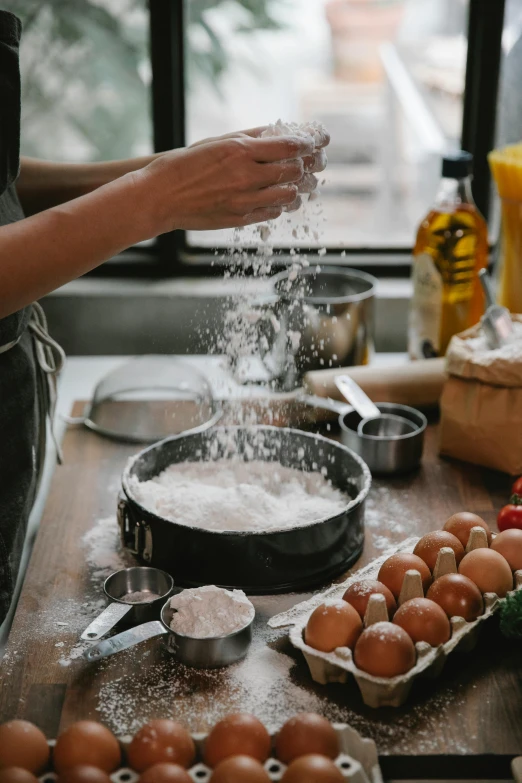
(103,552)
(273,683)
(104,555)
(231,494)
(386,518)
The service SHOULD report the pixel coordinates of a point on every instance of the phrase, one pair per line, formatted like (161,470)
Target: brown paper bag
(481,403)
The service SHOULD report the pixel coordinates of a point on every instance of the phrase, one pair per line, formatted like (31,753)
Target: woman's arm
(221,184)
(44,184)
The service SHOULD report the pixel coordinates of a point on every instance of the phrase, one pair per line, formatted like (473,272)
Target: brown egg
(239,734)
(358,595)
(87,743)
(83,774)
(489,570)
(312,769)
(430,545)
(306,733)
(460,525)
(160,741)
(424,621)
(23,745)
(384,650)
(458,596)
(16,775)
(165,773)
(240,769)
(333,624)
(509,545)
(393,569)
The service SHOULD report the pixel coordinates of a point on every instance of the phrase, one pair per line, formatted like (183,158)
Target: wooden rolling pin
(418,384)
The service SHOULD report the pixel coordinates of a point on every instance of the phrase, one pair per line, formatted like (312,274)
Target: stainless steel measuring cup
(374,421)
(122,586)
(206,653)
(384,453)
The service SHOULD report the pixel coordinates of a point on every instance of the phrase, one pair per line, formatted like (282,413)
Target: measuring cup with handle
(374,422)
(205,653)
(126,584)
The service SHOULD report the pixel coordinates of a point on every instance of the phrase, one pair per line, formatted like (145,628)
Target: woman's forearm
(220,184)
(43,184)
(45,251)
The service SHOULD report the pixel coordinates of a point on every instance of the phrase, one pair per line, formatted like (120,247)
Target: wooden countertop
(466,723)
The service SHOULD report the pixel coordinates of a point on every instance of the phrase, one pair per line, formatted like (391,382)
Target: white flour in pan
(239,496)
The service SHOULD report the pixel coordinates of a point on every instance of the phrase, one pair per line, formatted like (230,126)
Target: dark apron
(28,357)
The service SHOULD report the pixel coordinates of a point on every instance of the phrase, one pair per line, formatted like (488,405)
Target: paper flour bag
(481,403)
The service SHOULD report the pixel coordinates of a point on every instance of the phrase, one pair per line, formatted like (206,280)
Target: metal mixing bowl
(319,318)
(257,562)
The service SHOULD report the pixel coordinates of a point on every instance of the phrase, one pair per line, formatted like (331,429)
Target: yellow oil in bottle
(451,248)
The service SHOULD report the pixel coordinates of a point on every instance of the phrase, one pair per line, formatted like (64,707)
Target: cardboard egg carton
(339,666)
(357,761)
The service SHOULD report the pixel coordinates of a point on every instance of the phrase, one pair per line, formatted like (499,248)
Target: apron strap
(7,346)
(50,360)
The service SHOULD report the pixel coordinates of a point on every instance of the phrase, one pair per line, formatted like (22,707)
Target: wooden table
(467,723)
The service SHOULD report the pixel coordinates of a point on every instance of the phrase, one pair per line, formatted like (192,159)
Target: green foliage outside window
(85,70)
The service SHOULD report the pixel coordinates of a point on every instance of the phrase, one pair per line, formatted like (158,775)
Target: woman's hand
(226,182)
(313,164)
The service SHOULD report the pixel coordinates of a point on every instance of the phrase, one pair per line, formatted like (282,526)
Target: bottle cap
(457,165)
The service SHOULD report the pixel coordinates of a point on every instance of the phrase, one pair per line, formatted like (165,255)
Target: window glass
(385,76)
(509,112)
(85,75)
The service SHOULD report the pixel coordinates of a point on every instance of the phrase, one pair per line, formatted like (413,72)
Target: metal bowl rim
(230,635)
(385,438)
(142,603)
(325,300)
(122,437)
(365,474)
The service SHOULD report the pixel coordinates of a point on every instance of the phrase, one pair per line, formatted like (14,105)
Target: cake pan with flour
(278,560)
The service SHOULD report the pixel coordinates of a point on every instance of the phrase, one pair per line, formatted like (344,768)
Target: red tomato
(517,487)
(511,515)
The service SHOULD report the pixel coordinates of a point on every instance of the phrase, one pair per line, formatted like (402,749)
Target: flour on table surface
(386,518)
(264,684)
(236,495)
(104,553)
(210,611)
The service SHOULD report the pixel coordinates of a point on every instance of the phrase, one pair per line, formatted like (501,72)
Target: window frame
(172,256)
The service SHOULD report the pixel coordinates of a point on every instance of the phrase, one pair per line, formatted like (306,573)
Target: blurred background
(385,76)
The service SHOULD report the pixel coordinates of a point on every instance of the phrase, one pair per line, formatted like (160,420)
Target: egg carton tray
(357,761)
(338,666)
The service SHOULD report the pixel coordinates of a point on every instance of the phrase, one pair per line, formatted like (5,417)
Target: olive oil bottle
(451,248)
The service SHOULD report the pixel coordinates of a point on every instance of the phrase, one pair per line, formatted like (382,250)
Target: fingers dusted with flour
(224,182)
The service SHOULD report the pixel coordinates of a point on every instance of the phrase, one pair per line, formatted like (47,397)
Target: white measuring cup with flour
(136,596)
(206,652)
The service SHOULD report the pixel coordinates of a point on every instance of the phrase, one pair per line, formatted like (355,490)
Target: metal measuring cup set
(154,618)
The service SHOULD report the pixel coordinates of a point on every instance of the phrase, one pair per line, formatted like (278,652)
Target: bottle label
(426,308)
